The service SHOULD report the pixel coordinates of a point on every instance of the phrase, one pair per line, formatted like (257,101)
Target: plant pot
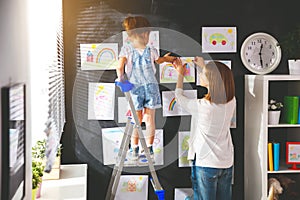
(273,117)
(33,193)
(39,190)
(294,66)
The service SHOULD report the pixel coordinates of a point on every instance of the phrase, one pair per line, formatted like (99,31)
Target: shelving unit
(258,91)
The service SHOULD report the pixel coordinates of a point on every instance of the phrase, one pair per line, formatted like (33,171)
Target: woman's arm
(180,71)
(120,68)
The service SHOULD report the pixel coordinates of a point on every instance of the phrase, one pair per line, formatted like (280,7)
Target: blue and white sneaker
(133,154)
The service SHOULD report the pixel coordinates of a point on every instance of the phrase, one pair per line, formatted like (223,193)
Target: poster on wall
(112,138)
(183,194)
(153,39)
(168,73)
(99,56)
(101,101)
(123,110)
(219,39)
(183,148)
(170,105)
(132,187)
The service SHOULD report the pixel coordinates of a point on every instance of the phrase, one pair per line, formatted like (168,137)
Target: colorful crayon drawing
(112,138)
(218,39)
(153,39)
(183,194)
(132,187)
(101,101)
(100,56)
(168,73)
(170,107)
(183,148)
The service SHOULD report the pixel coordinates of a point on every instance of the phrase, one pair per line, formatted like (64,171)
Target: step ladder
(125,87)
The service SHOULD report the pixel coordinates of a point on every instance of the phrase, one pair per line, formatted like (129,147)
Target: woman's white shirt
(210,138)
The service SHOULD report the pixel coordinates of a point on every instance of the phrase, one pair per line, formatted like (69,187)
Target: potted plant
(39,153)
(274,110)
(291,46)
(37,174)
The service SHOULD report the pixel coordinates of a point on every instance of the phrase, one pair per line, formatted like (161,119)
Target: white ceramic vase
(273,117)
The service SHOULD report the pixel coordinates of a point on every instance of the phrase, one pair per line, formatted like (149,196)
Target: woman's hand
(179,67)
(199,61)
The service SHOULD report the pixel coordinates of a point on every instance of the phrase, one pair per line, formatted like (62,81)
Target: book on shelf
(273,156)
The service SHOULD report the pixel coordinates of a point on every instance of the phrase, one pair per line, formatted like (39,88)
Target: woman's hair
(221,83)
(136,25)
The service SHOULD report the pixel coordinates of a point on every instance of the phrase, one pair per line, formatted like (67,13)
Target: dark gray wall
(94,21)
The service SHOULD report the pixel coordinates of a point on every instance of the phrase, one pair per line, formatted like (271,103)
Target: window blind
(56,91)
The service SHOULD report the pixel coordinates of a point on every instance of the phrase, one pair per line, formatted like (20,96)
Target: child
(140,69)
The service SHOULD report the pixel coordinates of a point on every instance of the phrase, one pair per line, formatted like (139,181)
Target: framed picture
(293,154)
(13,144)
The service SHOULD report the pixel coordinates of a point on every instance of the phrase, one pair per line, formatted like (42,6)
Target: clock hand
(261,61)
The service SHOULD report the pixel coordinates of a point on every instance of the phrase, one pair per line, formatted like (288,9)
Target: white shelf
(283,125)
(71,185)
(258,90)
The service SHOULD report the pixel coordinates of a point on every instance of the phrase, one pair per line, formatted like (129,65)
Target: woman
(210,144)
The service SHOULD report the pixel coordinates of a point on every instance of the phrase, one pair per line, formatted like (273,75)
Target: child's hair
(221,82)
(136,25)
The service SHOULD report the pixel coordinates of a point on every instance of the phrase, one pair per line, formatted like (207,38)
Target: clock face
(260,53)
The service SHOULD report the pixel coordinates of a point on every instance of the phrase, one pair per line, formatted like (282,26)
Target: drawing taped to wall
(101,101)
(132,187)
(112,138)
(153,39)
(183,148)
(183,194)
(99,56)
(218,39)
(171,107)
(168,73)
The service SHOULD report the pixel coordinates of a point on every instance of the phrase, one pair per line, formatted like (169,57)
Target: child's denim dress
(146,91)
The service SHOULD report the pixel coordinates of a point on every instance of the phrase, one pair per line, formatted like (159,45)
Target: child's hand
(199,61)
(178,66)
(168,58)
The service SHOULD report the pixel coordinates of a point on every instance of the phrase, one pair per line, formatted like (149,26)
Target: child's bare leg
(149,117)
(135,135)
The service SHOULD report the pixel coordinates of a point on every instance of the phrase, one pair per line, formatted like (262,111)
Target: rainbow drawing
(168,70)
(172,104)
(100,56)
(106,54)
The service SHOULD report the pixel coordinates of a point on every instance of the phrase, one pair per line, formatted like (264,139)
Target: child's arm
(165,58)
(120,68)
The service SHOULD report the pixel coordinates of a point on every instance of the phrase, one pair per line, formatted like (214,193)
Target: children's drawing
(218,39)
(171,107)
(132,187)
(183,148)
(112,138)
(168,73)
(100,56)
(111,142)
(183,194)
(153,39)
(101,101)
(226,62)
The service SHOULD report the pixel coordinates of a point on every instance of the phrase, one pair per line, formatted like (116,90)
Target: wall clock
(260,53)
